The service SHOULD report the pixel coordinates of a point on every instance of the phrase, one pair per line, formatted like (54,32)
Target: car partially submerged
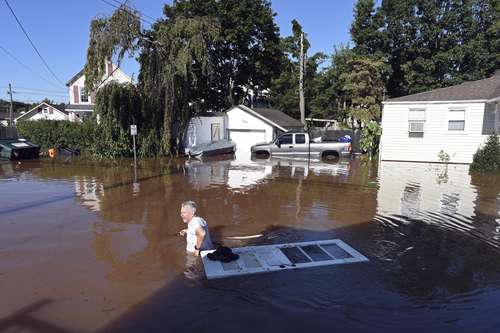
(299,144)
(14,148)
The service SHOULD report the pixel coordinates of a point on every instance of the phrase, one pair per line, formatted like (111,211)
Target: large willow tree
(176,68)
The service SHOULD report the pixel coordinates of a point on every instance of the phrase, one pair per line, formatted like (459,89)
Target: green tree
(365,29)
(487,159)
(364,87)
(285,87)
(247,54)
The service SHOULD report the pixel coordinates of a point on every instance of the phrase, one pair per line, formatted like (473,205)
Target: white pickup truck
(298,144)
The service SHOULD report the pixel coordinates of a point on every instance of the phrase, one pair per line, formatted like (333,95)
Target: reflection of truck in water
(299,144)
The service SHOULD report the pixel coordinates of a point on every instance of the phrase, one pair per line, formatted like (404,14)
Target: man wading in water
(197,235)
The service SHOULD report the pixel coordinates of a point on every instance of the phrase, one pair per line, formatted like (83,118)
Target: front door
(215,132)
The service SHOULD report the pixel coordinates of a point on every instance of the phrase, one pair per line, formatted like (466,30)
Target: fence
(330,135)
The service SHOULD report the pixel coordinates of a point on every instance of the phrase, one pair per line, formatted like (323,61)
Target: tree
(285,87)
(487,159)
(176,66)
(365,29)
(364,86)
(247,54)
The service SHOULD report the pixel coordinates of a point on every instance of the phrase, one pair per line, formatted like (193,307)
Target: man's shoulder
(198,221)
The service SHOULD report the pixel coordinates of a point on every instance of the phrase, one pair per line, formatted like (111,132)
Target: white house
(243,125)
(455,120)
(205,128)
(43,111)
(81,101)
(248,126)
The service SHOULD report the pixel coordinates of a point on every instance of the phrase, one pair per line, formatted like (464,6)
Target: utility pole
(11,118)
(301,82)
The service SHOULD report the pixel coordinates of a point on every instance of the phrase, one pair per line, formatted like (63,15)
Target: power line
(130,8)
(32,44)
(121,7)
(27,67)
(39,90)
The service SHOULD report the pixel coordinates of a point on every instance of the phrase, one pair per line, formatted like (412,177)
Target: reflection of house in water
(90,192)
(240,175)
(413,189)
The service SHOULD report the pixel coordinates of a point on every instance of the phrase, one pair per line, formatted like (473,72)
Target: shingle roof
(485,89)
(274,117)
(75,77)
(36,109)
(71,107)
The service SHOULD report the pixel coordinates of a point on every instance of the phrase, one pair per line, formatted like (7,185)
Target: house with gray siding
(455,120)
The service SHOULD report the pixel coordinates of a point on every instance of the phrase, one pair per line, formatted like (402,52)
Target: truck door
(283,145)
(300,146)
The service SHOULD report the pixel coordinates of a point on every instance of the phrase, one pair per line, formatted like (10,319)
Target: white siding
(118,76)
(55,116)
(241,120)
(459,145)
(200,130)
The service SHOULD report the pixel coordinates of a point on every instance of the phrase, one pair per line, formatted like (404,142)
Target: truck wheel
(330,156)
(262,154)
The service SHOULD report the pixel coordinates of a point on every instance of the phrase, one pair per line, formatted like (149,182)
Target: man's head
(188,209)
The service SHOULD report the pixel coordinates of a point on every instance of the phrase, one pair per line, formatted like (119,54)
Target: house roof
(486,89)
(74,78)
(36,109)
(78,107)
(272,116)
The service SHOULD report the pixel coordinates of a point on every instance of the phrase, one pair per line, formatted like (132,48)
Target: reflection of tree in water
(427,259)
(487,203)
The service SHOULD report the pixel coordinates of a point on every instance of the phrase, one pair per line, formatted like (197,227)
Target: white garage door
(244,139)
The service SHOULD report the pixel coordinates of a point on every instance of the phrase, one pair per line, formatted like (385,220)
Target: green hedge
(57,133)
(487,159)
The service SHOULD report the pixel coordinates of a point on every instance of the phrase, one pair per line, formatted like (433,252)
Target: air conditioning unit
(416,127)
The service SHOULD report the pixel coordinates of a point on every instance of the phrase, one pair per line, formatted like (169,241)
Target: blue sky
(59,29)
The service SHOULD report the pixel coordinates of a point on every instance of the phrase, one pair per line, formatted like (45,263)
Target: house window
(84,97)
(416,123)
(456,120)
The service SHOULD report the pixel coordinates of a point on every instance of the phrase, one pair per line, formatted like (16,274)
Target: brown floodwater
(85,247)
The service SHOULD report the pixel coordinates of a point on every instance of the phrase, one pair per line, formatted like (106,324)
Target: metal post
(11,117)
(135,161)
(301,82)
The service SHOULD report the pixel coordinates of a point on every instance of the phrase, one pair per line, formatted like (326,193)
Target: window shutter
(76,95)
(110,68)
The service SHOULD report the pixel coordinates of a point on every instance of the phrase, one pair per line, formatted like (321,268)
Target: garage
(244,139)
(248,126)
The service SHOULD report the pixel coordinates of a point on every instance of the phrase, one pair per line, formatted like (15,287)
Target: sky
(59,30)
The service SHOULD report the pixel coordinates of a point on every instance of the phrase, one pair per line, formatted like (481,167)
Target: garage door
(244,139)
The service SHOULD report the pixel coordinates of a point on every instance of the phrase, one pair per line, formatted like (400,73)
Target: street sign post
(133,132)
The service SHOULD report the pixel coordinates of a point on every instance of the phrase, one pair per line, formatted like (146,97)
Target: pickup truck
(298,144)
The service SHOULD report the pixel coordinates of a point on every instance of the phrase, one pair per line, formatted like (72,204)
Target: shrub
(487,159)
(370,137)
(57,133)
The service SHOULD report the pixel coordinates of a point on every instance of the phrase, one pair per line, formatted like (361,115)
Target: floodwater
(86,248)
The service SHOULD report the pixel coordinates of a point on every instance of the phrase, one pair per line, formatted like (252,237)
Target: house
(43,111)
(81,101)
(248,126)
(447,122)
(243,125)
(205,128)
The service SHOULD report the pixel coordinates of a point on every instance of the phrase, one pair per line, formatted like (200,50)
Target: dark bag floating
(223,253)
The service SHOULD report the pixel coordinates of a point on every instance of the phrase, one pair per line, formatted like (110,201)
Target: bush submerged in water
(487,159)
